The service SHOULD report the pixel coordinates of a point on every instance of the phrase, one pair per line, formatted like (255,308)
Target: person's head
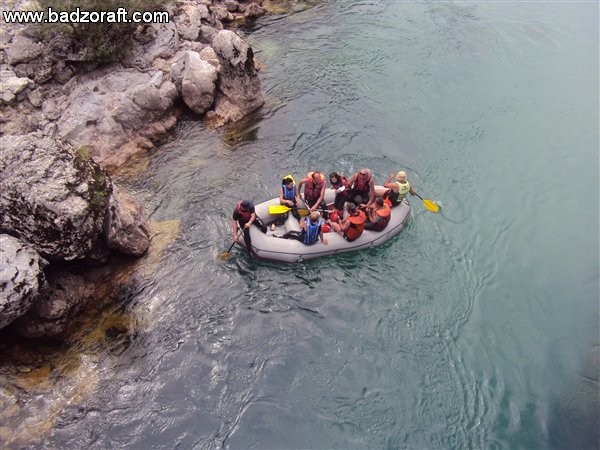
(289,182)
(379,202)
(314,216)
(363,173)
(350,207)
(401,176)
(246,205)
(334,177)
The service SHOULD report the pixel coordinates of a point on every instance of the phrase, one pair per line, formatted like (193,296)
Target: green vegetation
(98,42)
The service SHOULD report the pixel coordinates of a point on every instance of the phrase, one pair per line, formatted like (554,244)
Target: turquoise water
(474,328)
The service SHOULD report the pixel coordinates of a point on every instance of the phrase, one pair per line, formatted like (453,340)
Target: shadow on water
(47,381)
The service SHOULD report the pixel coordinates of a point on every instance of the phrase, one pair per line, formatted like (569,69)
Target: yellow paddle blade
(225,255)
(278,209)
(431,206)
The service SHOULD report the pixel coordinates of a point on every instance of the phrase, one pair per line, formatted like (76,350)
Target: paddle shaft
(233,243)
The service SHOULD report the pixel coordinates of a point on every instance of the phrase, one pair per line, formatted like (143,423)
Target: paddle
(428,204)
(282,209)
(226,255)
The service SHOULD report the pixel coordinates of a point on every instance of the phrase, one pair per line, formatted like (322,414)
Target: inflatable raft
(269,247)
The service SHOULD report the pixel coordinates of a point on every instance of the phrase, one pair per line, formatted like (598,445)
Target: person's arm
(371,191)
(352,179)
(323,240)
(320,200)
(371,213)
(345,224)
(412,191)
(234,226)
(282,200)
(391,184)
(299,188)
(249,223)
(303,224)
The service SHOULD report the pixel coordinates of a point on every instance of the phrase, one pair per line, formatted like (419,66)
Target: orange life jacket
(357,225)
(383,214)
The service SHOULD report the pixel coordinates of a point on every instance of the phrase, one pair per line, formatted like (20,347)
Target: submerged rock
(22,278)
(51,313)
(126,227)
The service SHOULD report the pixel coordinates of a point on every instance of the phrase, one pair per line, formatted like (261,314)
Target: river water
(474,328)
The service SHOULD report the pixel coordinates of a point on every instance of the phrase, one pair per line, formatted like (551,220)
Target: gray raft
(267,246)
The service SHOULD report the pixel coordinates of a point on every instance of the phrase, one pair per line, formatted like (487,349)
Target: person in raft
(288,196)
(342,190)
(244,216)
(312,230)
(395,191)
(353,225)
(362,188)
(314,190)
(378,215)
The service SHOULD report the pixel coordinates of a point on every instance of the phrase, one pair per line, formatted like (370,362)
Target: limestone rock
(109,110)
(11,87)
(21,278)
(22,49)
(163,42)
(52,311)
(39,70)
(254,10)
(126,227)
(198,83)
(239,91)
(51,196)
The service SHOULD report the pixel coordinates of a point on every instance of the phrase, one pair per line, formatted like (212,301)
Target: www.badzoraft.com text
(121,15)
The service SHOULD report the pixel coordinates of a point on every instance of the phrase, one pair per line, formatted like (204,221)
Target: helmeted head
(246,205)
(350,207)
(401,176)
(314,216)
(287,181)
(379,202)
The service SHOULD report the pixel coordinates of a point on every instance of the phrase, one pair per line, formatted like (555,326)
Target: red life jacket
(362,184)
(342,181)
(312,189)
(357,225)
(245,214)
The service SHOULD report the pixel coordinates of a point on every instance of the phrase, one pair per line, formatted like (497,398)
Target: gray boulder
(158,41)
(40,70)
(21,49)
(11,87)
(253,10)
(126,227)
(52,197)
(189,20)
(21,278)
(198,83)
(239,91)
(112,111)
